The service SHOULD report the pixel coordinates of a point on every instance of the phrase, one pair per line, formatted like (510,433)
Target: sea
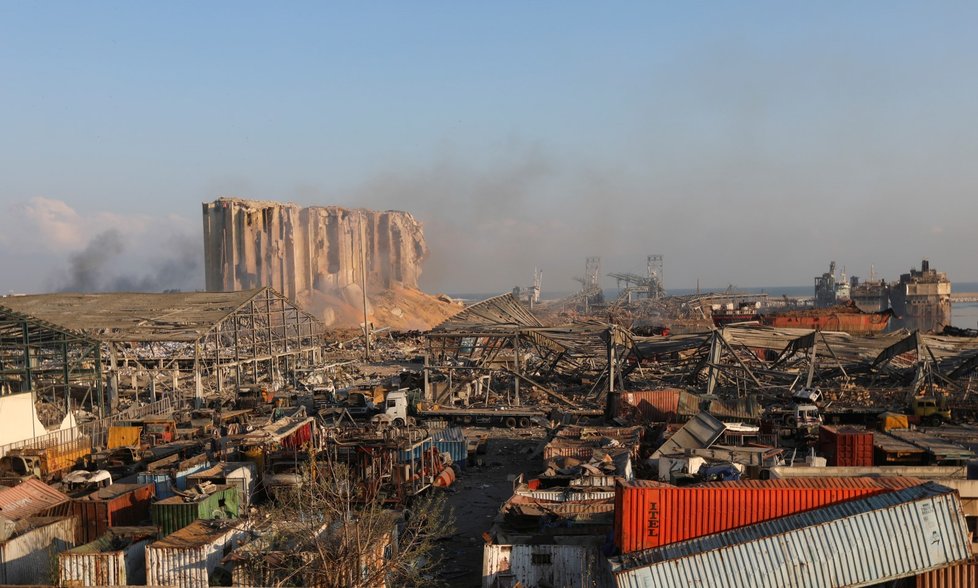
(964,315)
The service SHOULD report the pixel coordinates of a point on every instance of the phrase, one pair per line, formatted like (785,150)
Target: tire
(524,422)
(510,422)
(398,422)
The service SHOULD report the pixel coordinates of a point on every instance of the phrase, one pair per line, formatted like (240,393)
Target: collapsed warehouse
(89,350)
(499,341)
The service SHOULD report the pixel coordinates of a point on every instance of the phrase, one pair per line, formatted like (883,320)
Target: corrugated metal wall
(539,566)
(26,559)
(962,575)
(188,557)
(92,569)
(107,568)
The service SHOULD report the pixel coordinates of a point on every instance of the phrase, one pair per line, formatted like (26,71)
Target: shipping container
(243,475)
(846,446)
(862,542)
(450,440)
(667,405)
(188,557)
(117,558)
(166,481)
(959,575)
(25,556)
(117,505)
(652,514)
(32,498)
(175,513)
(568,566)
(740,409)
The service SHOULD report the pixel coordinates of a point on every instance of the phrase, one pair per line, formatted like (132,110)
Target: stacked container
(846,446)
(114,506)
(651,514)
(173,514)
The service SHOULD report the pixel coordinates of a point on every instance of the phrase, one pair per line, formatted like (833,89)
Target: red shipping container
(651,514)
(119,505)
(846,446)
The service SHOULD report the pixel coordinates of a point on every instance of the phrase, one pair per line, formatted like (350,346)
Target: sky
(749,143)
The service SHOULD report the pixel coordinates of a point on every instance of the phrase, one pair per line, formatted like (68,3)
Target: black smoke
(108,264)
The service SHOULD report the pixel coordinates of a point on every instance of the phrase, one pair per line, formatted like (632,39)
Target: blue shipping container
(450,441)
(164,482)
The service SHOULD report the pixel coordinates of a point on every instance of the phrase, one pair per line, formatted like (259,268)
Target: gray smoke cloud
(103,266)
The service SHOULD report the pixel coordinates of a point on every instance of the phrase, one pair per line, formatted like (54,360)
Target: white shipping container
(26,558)
(122,567)
(568,566)
(189,556)
(857,543)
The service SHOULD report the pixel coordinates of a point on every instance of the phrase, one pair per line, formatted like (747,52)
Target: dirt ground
(476,497)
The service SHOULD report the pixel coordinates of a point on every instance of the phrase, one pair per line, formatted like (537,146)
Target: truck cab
(395,409)
(930,410)
(17,467)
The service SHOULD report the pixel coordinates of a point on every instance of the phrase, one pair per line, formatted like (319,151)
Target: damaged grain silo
(317,256)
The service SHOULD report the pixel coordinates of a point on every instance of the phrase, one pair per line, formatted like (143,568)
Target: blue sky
(747,142)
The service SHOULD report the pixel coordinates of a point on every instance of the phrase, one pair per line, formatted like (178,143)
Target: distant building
(922,299)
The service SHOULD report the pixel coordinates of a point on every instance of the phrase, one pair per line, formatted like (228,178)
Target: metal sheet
(537,566)
(857,543)
(121,436)
(699,432)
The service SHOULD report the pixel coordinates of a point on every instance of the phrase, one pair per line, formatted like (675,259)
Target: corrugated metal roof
(135,316)
(856,543)
(28,499)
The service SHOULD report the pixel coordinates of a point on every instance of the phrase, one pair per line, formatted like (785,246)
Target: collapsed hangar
(82,350)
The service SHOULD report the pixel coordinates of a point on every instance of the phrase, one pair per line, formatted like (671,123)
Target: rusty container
(119,505)
(846,446)
(652,514)
(667,405)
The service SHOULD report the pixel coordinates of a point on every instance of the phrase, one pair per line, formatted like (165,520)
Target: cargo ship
(847,317)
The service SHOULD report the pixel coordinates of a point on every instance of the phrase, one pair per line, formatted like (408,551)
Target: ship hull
(855,323)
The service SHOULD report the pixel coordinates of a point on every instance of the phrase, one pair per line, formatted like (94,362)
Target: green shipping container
(173,514)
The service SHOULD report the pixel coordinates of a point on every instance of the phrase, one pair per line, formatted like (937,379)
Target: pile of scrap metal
(579,514)
(590,456)
(748,359)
